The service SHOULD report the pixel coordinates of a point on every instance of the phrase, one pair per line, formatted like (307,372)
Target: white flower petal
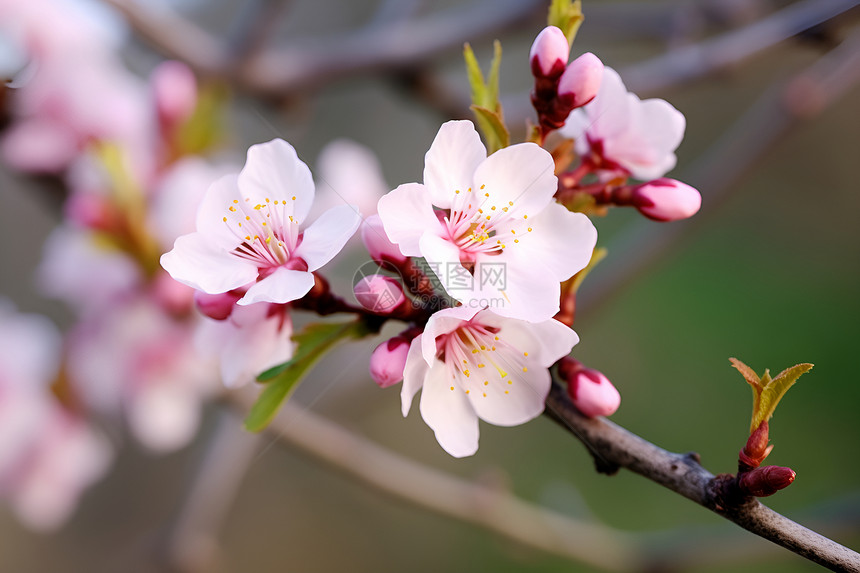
(451,161)
(444,260)
(407,213)
(560,240)
(327,235)
(283,285)
(520,177)
(196,262)
(530,292)
(449,413)
(516,403)
(273,170)
(413,375)
(442,322)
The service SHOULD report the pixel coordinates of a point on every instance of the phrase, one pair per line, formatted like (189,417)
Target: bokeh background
(768,272)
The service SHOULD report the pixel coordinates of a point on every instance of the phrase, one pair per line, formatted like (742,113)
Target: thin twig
(492,508)
(615,447)
(302,65)
(193,542)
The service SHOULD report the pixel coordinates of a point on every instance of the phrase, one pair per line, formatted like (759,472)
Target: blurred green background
(770,275)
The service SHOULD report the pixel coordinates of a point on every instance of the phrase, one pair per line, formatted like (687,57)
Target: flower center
(476,357)
(267,232)
(478,223)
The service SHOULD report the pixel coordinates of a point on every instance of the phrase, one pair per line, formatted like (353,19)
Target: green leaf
(596,256)
(312,344)
(476,77)
(205,127)
(774,390)
(748,373)
(567,16)
(493,126)
(485,99)
(492,94)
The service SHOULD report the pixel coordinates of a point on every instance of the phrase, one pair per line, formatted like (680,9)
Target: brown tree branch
(303,65)
(490,507)
(695,61)
(614,447)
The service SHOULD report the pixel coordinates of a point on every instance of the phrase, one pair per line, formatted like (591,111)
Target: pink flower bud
(580,81)
(174,90)
(549,53)
(591,392)
(388,360)
(666,199)
(379,293)
(376,242)
(216,306)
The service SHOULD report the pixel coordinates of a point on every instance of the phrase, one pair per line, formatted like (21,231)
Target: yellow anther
(506,392)
(485,394)
(225,219)
(467,391)
(530,229)
(232,209)
(486,194)
(247,218)
(247,237)
(525,353)
(267,200)
(294,197)
(525,216)
(513,232)
(474,351)
(452,387)
(258,206)
(457,191)
(486,382)
(505,209)
(481,365)
(467,373)
(510,381)
(488,217)
(482,186)
(516,240)
(493,208)
(525,369)
(235,201)
(268,240)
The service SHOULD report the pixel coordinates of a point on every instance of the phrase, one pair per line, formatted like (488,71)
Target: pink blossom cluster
(182,270)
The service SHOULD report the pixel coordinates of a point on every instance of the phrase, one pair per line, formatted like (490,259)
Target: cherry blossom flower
(497,237)
(65,456)
(133,359)
(619,132)
(472,364)
(251,340)
(249,234)
(348,172)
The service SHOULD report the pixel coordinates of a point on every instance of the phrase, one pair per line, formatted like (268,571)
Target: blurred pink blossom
(619,132)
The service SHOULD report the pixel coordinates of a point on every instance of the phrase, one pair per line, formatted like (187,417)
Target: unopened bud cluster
(560,87)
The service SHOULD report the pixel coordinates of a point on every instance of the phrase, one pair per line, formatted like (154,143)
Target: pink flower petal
(451,161)
(327,235)
(407,213)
